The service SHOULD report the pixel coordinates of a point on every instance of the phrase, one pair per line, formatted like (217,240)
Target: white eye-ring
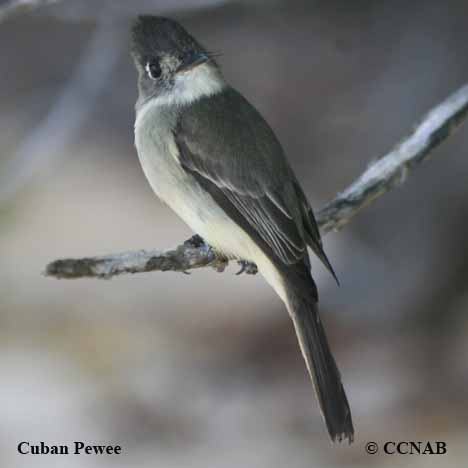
(153,69)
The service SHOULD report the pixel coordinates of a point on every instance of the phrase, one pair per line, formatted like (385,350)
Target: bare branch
(193,253)
(14,7)
(380,177)
(393,168)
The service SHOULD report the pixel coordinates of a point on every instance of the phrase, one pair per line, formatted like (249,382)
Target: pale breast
(158,156)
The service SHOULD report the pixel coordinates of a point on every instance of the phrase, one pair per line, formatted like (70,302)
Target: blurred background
(204,370)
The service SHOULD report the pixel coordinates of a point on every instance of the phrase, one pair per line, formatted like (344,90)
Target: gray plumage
(210,155)
(241,155)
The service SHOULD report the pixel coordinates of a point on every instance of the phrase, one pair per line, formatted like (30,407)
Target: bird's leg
(248,268)
(219,261)
(195,241)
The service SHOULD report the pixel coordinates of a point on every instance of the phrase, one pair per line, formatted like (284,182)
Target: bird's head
(173,68)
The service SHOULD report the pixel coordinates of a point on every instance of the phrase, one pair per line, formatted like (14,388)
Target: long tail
(302,306)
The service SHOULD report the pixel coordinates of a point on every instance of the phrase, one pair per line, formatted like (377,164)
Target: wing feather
(238,154)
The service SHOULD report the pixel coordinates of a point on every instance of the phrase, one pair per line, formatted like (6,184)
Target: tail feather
(322,367)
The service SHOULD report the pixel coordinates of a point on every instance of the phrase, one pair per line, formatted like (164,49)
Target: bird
(211,157)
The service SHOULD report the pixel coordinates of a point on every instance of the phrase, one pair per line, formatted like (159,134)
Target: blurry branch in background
(14,7)
(380,177)
(50,138)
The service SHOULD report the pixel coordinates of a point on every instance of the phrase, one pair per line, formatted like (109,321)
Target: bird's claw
(248,268)
(221,265)
(220,262)
(195,241)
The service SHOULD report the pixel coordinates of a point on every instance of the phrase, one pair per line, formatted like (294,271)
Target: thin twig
(14,7)
(380,177)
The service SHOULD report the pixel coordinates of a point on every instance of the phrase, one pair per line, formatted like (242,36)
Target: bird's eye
(153,69)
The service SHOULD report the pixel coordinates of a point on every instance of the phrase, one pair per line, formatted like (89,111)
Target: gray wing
(235,155)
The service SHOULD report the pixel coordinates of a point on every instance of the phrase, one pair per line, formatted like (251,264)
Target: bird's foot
(195,241)
(248,268)
(217,260)
(220,263)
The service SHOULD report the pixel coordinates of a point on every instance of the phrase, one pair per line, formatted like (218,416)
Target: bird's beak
(192,61)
